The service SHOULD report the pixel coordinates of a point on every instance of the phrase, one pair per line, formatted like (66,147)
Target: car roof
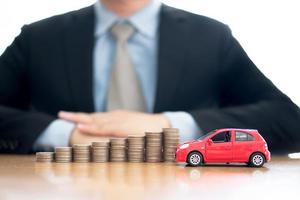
(237,129)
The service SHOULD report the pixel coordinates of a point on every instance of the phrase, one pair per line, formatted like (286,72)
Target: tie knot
(122,32)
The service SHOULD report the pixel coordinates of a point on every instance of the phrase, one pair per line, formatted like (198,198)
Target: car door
(243,144)
(219,148)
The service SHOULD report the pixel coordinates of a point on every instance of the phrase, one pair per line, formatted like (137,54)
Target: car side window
(242,136)
(221,137)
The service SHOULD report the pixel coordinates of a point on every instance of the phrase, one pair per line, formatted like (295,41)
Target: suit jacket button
(11,145)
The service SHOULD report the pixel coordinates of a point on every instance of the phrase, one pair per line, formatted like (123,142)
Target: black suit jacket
(202,69)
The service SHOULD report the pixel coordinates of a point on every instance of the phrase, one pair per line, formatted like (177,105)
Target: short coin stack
(136,148)
(171,140)
(100,151)
(63,154)
(44,157)
(118,149)
(153,146)
(81,153)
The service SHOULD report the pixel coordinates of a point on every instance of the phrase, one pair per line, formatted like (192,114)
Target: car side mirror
(209,141)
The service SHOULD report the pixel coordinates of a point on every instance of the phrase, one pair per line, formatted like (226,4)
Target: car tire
(195,159)
(257,160)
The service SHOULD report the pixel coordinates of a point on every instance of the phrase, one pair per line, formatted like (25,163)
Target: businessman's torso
(58,70)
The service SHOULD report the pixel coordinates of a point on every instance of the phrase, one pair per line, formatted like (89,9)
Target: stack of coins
(153,146)
(100,151)
(63,154)
(81,152)
(136,148)
(44,156)
(171,140)
(118,149)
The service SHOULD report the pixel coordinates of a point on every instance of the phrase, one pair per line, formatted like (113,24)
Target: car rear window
(242,136)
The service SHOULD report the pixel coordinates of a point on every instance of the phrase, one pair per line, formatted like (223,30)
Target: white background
(268,30)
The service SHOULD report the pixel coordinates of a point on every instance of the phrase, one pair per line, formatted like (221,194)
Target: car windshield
(206,135)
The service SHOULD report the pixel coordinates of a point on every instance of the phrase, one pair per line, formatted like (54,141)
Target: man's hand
(77,137)
(119,123)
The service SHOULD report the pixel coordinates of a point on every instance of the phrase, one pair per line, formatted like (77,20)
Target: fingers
(75,117)
(95,130)
(96,124)
(89,129)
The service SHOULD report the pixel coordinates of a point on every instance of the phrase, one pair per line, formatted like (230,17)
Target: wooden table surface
(22,178)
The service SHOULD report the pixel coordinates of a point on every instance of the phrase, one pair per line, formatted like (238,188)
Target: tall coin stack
(63,154)
(118,149)
(153,146)
(136,148)
(100,151)
(44,156)
(170,140)
(81,153)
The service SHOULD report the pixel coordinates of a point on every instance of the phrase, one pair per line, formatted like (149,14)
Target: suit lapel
(79,41)
(172,34)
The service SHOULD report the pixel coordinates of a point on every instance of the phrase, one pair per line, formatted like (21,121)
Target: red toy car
(226,146)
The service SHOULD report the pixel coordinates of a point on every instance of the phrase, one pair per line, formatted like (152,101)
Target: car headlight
(184,146)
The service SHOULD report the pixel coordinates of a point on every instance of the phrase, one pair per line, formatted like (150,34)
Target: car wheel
(195,159)
(256,160)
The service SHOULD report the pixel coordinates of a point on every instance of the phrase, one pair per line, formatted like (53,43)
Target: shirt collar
(145,21)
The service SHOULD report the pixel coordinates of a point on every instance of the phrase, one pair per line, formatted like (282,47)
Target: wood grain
(22,178)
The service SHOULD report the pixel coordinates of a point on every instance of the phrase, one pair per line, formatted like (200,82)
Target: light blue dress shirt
(143,50)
